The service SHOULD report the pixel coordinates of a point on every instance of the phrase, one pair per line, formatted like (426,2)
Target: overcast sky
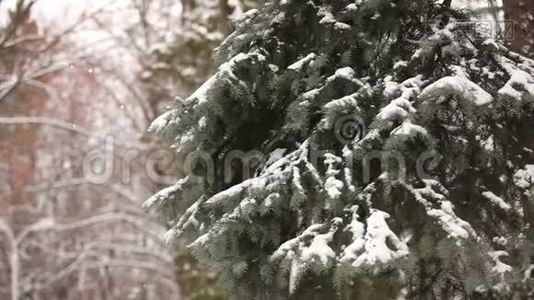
(59,13)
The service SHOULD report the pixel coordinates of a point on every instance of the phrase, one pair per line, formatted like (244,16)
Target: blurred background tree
(64,234)
(76,79)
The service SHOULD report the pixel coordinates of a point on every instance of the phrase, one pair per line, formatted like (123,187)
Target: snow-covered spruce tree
(398,146)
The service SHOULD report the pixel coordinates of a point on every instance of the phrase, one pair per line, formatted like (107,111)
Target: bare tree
(63,233)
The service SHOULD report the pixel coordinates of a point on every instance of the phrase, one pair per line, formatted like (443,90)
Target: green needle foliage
(397,156)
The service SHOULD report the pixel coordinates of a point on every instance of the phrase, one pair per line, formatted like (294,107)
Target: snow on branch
(459,87)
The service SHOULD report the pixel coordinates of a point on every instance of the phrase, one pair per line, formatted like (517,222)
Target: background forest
(80,82)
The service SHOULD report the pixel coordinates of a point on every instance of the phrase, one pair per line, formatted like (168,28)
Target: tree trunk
(519,23)
(15,268)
